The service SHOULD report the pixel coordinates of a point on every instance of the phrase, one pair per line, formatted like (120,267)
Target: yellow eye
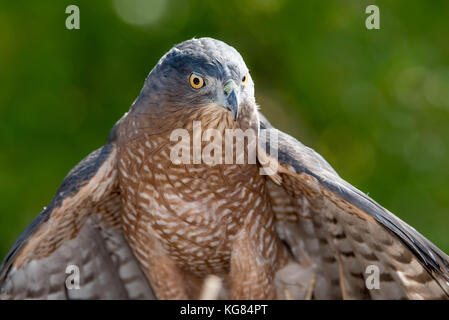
(245,79)
(196,81)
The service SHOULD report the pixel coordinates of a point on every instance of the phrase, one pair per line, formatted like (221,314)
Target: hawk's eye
(196,81)
(245,79)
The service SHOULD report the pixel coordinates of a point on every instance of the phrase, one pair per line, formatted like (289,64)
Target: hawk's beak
(231,98)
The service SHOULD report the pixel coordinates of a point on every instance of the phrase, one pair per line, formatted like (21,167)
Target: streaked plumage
(140,226)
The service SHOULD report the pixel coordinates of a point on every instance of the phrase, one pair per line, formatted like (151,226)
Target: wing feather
(80,227)
(356,229)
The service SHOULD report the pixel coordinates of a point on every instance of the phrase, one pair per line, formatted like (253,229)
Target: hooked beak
(231,98)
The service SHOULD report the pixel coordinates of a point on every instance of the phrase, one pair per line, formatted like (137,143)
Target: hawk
(138,225)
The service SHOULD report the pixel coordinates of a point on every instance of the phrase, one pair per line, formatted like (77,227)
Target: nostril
(229,87)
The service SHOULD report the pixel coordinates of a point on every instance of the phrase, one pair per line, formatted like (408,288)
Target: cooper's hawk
(138,224)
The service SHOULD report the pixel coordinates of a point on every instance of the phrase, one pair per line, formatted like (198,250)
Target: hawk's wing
(77,234)
(344,236)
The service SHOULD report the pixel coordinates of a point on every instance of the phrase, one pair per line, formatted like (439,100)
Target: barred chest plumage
(196,210)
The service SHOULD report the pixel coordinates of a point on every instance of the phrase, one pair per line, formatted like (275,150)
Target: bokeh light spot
(140,12)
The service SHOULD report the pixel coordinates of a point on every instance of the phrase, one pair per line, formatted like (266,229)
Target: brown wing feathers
(75,180)
(354,231)
(84,230)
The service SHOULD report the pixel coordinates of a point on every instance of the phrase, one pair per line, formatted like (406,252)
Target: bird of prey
(135,224)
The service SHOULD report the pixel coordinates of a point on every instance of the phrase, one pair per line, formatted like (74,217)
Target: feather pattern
(355,232)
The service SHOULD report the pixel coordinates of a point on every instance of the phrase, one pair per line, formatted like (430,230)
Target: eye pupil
(196,81)
(244,79)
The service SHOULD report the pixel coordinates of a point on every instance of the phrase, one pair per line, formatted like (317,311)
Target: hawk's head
(198,73)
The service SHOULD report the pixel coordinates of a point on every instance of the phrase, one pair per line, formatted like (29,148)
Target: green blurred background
(374,103)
